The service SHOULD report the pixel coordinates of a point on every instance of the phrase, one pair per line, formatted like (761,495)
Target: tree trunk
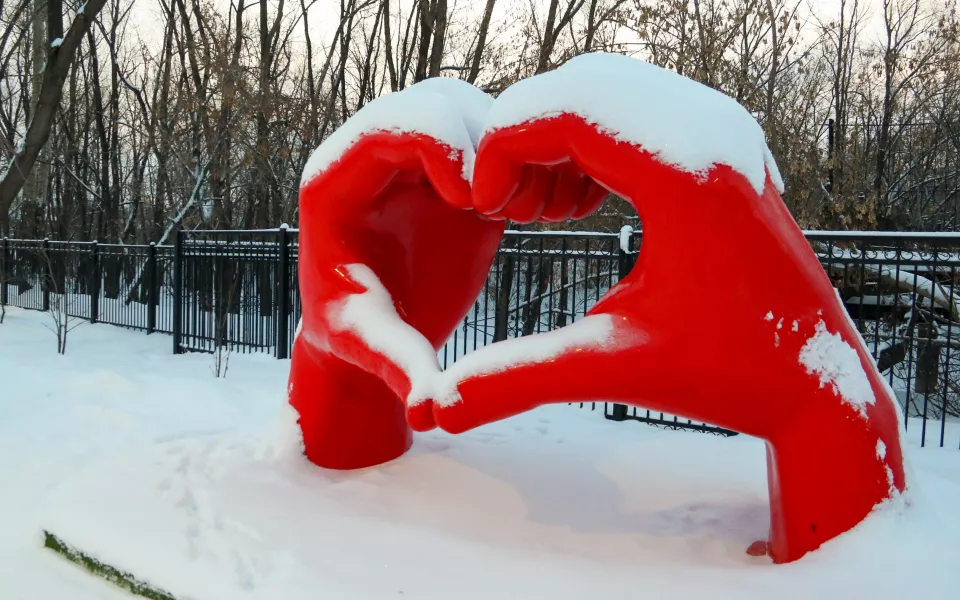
(263,187)
(534,306)
(502,311)
(59,58)
(772,126)
(546,46)
(36,183)
(388,45)
(591,26)
(481,42)
(439,36)
(366,74)
(426,33)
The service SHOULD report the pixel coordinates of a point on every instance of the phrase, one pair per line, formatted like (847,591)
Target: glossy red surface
(387,204)
(717,257)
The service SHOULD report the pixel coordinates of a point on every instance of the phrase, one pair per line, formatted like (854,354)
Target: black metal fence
(129,286)
(237,291)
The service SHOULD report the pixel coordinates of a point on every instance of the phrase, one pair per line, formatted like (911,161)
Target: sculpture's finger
(531,196)
(420,415)
(570,191)
(592,199)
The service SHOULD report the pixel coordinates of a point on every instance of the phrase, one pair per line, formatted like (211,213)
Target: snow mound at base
(550,504)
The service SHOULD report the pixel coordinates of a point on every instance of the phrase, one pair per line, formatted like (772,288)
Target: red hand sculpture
(390,261)
(388,267)
(775,355)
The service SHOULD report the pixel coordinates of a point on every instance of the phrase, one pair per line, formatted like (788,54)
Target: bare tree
(552,29)
(60,53)
(910,47)
(58,277)
(226,300)
(210,124)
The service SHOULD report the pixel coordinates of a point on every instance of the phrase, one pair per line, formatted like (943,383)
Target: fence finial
(626,232)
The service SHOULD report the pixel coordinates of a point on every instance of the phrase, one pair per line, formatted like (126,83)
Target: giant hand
(724,275)
(389,263)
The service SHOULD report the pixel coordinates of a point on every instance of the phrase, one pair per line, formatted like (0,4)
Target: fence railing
(125,285)
(238,291)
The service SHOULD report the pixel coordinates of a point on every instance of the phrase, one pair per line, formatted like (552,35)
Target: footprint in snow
(438,446)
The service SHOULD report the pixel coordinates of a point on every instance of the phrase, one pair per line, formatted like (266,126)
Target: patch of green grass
(106,572)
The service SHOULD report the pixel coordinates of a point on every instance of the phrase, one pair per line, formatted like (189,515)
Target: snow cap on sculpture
(448,110)
(684,123)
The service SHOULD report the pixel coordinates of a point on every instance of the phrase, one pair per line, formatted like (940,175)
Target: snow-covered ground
(148,462)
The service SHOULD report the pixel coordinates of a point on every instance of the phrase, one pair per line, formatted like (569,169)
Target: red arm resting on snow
(785,363)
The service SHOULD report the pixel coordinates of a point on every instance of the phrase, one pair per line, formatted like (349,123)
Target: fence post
(48,280)
(283,295)
(177,293)
(4,266)
(152,288)
(623,256)
(619,412)
(96,278)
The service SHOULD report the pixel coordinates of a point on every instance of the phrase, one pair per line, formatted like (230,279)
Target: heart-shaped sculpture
(776,358)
